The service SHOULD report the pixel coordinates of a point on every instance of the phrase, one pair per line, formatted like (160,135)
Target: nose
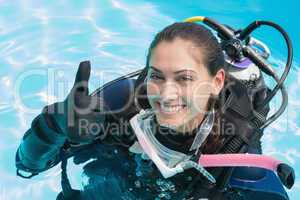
(169,92)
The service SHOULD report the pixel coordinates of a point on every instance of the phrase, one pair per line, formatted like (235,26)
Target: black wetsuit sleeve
(43,143)
(40,147)
(47,139)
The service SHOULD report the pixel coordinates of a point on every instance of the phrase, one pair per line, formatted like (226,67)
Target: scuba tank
(245,99)
(245,70)
(250,78)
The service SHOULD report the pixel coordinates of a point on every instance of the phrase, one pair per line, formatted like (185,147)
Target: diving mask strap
(203,132)
(150,149)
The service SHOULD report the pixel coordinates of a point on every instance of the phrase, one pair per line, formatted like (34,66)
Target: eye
(185,78)
(155,76)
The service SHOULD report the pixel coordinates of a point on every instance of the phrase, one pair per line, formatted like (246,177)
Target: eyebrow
(177,72)
(184,70)
(155,69)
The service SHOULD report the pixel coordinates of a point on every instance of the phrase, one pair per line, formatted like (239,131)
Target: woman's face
(178,84)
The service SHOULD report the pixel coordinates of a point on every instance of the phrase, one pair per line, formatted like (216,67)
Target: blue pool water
(41,44)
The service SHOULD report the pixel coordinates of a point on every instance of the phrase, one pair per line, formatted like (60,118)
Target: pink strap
(239,160)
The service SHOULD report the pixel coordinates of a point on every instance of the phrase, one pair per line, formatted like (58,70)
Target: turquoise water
(41,45)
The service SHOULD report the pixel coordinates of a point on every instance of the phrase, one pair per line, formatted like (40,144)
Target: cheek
(152,88)
(153,91)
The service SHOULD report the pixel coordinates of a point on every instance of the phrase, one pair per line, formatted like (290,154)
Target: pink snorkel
(239,160)
(285,173)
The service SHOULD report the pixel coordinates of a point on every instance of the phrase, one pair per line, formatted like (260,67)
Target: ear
(218,81)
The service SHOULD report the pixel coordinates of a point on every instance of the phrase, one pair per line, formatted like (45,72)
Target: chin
(170,122)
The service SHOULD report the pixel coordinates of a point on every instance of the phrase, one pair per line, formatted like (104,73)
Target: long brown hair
(215,140)
(213,60)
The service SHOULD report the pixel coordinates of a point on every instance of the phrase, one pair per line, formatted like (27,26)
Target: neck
(191,125)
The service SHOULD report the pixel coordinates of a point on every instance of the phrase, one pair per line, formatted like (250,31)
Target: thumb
(82,77)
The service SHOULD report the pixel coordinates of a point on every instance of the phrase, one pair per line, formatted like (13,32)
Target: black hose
(253,26)
(282,106)
(67,193)
(225,32)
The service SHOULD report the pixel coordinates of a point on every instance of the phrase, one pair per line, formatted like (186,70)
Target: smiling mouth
(170,109)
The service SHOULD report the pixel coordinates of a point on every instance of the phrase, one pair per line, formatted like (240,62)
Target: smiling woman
(189,94)
(186,68)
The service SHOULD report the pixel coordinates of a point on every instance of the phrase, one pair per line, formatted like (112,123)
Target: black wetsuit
(115,172)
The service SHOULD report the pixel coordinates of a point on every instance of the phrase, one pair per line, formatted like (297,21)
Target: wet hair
(212,55)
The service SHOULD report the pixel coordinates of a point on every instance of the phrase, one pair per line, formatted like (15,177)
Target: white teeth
(176,108)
